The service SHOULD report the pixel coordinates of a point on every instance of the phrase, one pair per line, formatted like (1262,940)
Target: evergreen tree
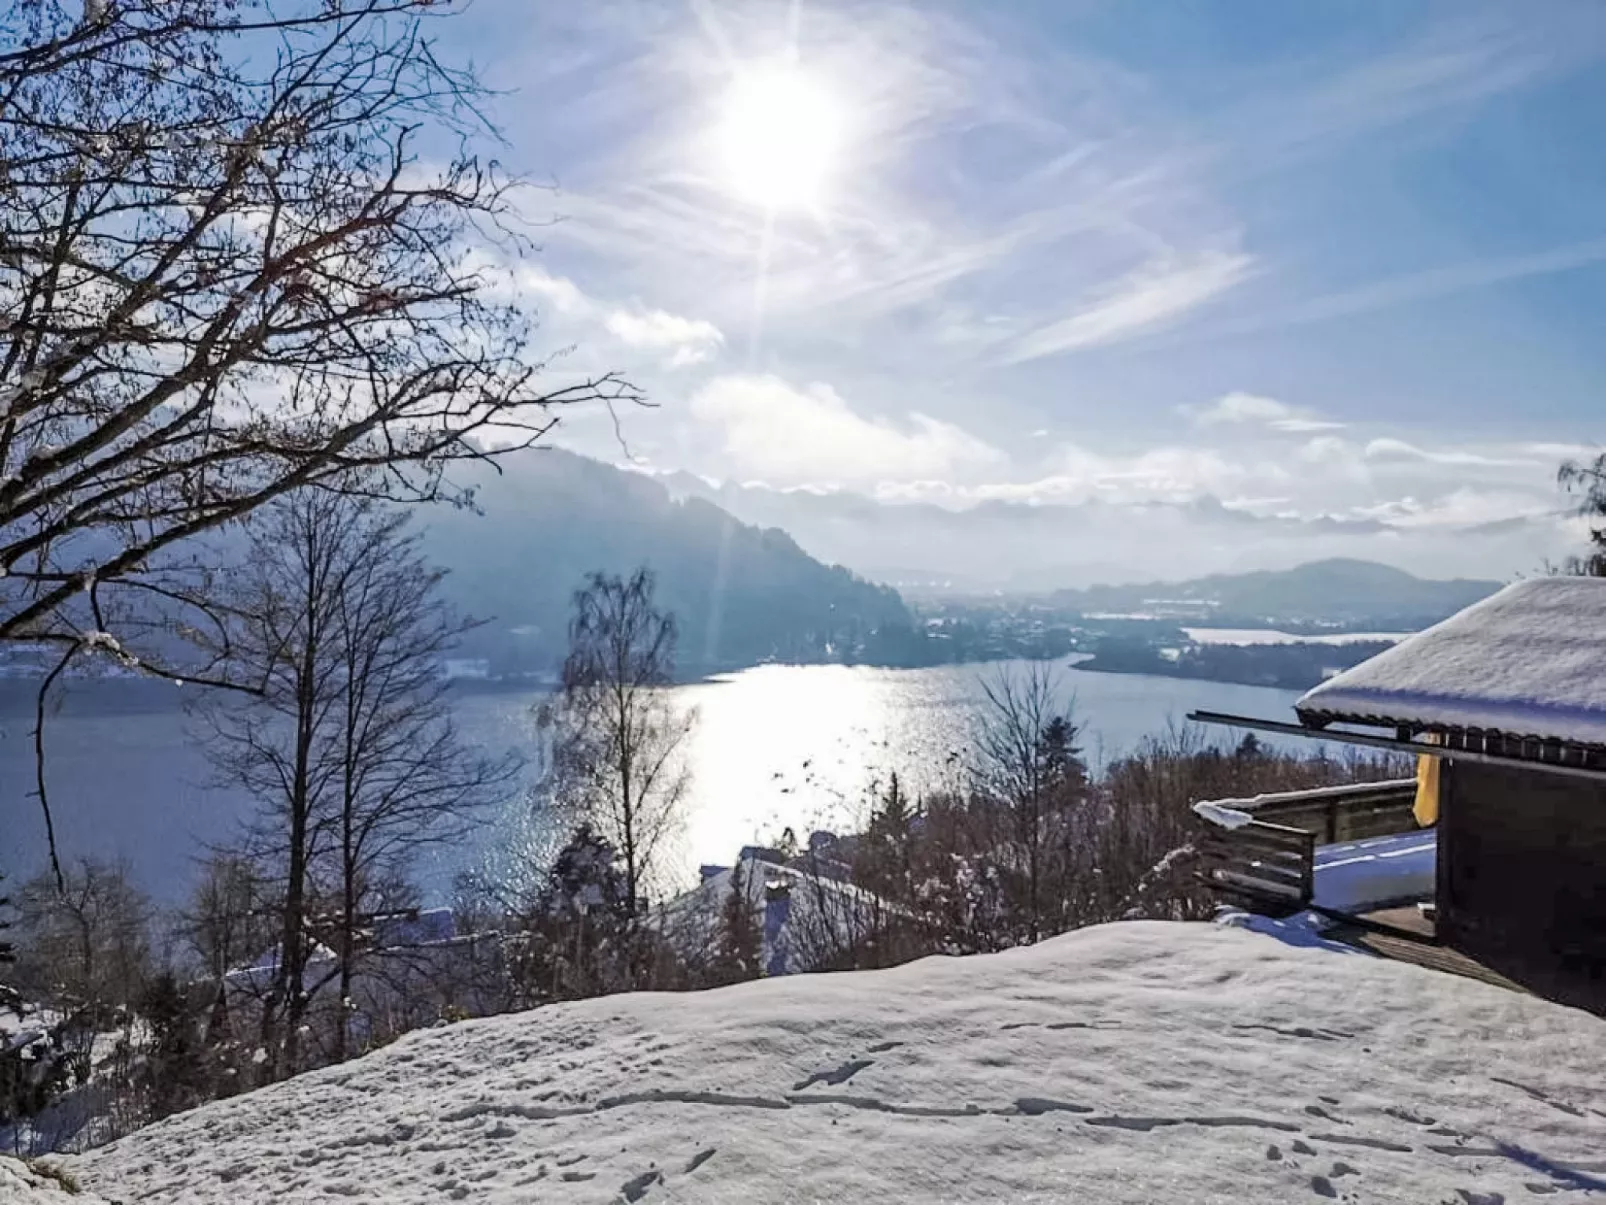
(176,1068)
(740,943)
(887,856)
(891,822)
(1587,482)
(581,940)
(1063,768)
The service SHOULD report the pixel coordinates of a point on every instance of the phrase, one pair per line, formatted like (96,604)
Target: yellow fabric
(1426,808)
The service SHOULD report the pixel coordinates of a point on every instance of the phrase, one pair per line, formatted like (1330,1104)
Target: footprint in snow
(1410,1115)
(835,1076)
(1322,1186)
(633,1190)
(697,1160)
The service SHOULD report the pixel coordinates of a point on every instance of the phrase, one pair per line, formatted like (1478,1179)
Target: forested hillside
(741,594)
(1331,592)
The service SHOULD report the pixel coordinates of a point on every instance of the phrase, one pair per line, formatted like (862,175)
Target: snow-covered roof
(1529,661)
(817,906)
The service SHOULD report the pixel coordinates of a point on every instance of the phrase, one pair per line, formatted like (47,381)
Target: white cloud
(680,340)
(560,292)
(1159,293)
(1262,411)
(1164,474)
(1459,508)
(690,340)
(1333,452)
(791,436)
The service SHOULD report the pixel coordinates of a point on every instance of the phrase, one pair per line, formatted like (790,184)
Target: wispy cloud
(1158,294)
(1425,285)
(1250,409)
(1388,449)
(1454,64)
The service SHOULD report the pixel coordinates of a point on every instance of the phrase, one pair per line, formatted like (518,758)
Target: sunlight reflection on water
(805,746)
(775,746)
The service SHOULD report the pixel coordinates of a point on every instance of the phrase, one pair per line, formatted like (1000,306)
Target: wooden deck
(1415,944)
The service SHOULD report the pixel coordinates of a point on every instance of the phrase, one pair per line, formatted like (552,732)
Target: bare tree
(228,917)
(1587,482)
(1028,766)
(10,998)
(407,779)
(229,920)
(87,948)
(245,246)
(349,746)
(617,757)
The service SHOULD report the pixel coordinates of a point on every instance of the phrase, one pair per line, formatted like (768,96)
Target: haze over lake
(775,746)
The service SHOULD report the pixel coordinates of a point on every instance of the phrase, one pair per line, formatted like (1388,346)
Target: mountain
(1338,592)
(1019,544)
(742,594)
(1127,1064)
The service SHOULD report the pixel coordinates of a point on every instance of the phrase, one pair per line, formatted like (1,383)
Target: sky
(1336,266)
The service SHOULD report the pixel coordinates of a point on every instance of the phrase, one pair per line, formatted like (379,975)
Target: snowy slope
(1132,1063)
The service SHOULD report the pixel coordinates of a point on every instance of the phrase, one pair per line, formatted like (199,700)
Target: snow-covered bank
(21,1184)
(1131,1063)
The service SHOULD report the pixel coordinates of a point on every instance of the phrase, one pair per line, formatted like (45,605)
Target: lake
(774,746)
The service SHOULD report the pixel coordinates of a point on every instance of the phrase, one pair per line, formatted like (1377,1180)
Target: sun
(779,137)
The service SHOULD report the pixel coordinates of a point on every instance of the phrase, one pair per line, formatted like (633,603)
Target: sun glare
(779,138)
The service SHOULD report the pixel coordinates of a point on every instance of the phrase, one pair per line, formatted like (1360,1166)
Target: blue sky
(1312,260)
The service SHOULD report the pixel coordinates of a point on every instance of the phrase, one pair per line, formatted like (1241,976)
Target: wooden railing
(1269,864)
(1352,812)
(1270,868)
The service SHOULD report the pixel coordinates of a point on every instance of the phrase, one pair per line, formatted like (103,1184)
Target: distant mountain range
(1335,592)
(745,594)
(742,594)
(939,545)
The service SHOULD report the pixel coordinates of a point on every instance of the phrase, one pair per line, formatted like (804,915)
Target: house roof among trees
(1526,664)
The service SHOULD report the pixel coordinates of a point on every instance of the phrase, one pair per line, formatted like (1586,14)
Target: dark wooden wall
(1522,876)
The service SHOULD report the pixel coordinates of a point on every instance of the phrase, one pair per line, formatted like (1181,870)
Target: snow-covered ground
(1132,1063)
(1272,636)
(21,1184)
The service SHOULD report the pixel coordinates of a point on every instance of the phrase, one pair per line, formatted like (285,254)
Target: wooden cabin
(1508,700)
